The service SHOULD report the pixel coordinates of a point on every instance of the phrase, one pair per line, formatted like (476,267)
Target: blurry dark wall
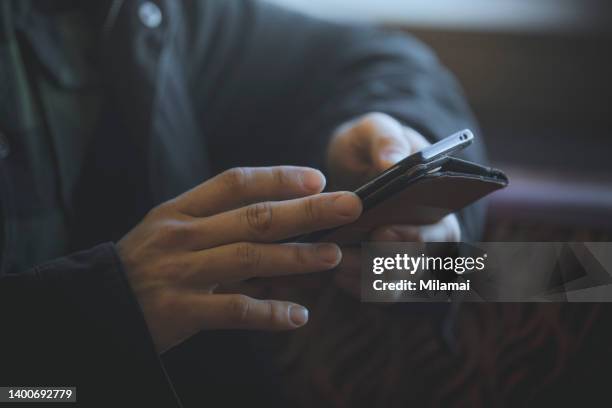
(543,99)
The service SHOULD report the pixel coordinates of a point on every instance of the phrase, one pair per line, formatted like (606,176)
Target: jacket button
(150,15)
(5,148)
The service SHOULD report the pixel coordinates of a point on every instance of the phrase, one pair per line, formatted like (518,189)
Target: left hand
(361,149)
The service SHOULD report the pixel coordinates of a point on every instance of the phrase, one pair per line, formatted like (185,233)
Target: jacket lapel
(147,70)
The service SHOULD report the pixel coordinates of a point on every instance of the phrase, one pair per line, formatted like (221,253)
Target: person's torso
(94,139)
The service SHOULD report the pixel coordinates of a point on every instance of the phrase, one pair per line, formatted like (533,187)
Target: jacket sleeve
(271,85)
(75,322)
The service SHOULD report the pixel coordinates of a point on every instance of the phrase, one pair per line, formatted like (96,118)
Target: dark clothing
(108,111)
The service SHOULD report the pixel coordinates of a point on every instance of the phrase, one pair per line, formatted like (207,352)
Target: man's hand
(360,150)
(224,231)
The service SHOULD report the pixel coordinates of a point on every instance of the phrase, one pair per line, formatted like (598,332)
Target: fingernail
(313,180)
(347,205)
(393,157)
(298,315)
(329,253)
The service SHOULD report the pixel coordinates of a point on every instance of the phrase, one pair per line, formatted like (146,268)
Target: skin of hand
(224,231)
(358,151)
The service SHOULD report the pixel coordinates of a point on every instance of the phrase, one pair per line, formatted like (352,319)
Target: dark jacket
(172,92)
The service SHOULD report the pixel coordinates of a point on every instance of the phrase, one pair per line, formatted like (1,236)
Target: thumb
(389,148)
(395,144)
(387,141)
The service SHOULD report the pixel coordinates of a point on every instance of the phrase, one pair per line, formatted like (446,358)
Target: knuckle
(238,308)
(248,255)
(299,255)
(173,232)
(282,176)
(235,179)
(259,217)
(310,209)
(158,211)
(277,314)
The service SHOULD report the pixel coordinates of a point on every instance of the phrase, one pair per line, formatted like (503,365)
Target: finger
(243,312)
(374,141)
(389,141)
(385,139)
(446,230)
(241,186)
(389,148)
(241,261)
(417,140)
(275,221)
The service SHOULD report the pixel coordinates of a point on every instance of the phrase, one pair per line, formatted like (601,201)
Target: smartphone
(422,188)
(419,161)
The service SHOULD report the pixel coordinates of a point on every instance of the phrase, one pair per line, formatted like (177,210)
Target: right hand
(224,231)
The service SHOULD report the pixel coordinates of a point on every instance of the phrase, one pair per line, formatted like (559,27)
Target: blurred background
(537,74)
